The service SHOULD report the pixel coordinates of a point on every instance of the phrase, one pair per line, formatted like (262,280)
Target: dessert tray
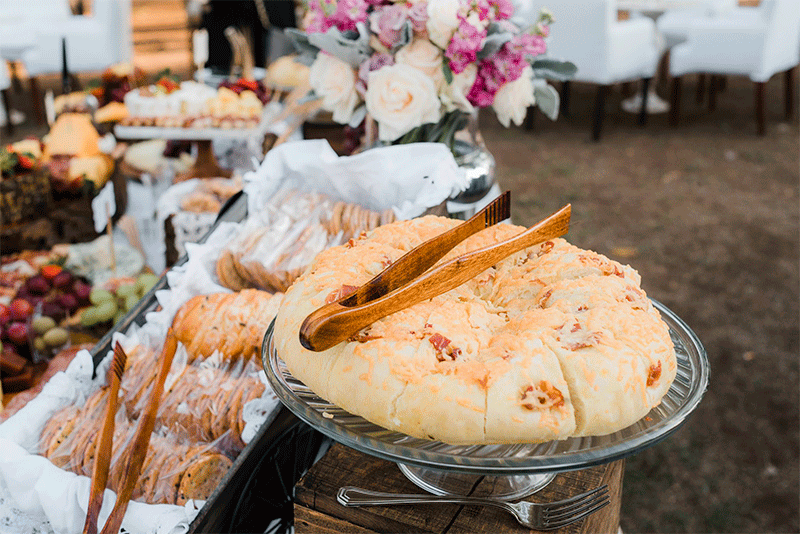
(520,469)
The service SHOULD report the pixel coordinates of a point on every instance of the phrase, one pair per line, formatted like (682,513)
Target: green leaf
(495,39)
(306,52)
(554,69)
(353,51)
(358,115)
(308,97)
(406,34)
(547,99)
(448,74)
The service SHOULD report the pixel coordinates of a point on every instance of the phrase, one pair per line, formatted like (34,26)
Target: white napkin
(408,178)
(42,490)
(52,498)
(37,495)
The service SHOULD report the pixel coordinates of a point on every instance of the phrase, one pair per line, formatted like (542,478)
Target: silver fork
(547,516)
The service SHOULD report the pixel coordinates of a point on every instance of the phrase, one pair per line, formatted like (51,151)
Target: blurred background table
(316,509)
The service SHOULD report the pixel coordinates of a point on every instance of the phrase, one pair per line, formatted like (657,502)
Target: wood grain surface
(316,508)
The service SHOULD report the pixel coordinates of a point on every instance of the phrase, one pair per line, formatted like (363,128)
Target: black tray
(257,492)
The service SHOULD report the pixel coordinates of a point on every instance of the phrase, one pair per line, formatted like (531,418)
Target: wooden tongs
(410,279)
(138,449)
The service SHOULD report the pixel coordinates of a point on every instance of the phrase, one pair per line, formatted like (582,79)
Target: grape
(42,324)
(89,317)
(106,310)
(100,295)
(56,337)
(126,290)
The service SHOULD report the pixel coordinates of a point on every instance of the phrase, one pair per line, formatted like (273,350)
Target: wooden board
(308,520)
(316,508)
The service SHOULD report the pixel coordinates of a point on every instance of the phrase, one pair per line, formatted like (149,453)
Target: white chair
(5,109)
(605,50)
(757,42)
(93,42)
(671,23)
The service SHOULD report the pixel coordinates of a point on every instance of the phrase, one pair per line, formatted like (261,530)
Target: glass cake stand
(517,470)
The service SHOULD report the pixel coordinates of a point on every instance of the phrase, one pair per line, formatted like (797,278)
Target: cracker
(226,272)
(54,452)
(202,477)
(150,478)
(224,402)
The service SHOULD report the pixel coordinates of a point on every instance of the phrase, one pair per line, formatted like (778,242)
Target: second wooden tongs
(411,281)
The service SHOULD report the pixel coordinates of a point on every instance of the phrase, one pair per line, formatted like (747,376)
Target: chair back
(720,7)
(782,33)
(115,15)
(5,79)
(580,33)
(34,9)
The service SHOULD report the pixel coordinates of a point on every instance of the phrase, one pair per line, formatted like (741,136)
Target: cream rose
(400,97)
(335,82)
(512,100)
(425,56)
(454,95)
(442,21)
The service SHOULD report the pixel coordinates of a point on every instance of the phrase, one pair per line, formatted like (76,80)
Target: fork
(548,516)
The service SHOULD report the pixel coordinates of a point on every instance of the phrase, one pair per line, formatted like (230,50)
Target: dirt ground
(708,214)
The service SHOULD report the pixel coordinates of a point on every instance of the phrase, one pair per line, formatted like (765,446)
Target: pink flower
(527,44)
(349,13)
(418,15)
(317,19)
(479,95)
(464,46)
(503,9)
(386,23)
(375,62)
(542,29)
(503,67)
(482,8)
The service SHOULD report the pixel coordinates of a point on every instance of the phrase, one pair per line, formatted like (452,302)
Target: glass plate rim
(512,465)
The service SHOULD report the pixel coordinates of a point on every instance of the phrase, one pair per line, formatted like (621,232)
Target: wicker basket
(24,196)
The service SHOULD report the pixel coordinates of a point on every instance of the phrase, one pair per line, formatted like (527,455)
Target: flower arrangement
(19,158)
(418,67)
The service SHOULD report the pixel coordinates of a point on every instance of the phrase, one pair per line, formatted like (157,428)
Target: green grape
(56,337)
(106,310)
(99,295)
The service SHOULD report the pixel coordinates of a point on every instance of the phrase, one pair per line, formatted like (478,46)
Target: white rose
(425,56)
(335,82)
(400,98)
(454,95)
(442,21)
(512,100)
(474,19)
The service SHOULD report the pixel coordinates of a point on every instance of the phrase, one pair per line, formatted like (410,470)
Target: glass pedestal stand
(507,488)
(516,469)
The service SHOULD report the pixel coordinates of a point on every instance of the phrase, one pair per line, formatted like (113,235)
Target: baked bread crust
(552,342)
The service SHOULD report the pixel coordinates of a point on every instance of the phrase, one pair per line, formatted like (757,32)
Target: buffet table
(316,508)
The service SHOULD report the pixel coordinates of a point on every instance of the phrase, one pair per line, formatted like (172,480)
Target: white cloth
(53,500)
(407,178)
(37,495)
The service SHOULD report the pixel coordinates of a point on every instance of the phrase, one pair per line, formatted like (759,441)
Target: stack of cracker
(198,432)
(300,225)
